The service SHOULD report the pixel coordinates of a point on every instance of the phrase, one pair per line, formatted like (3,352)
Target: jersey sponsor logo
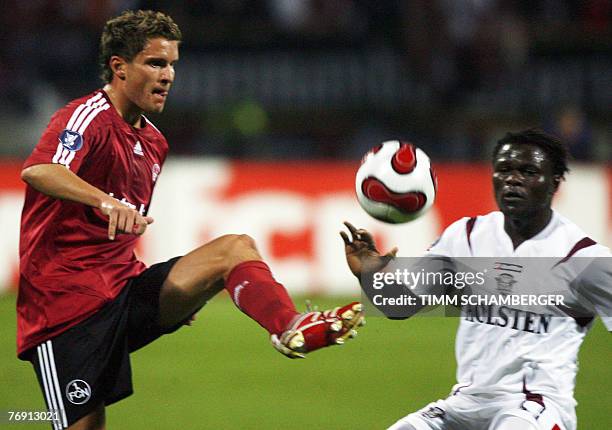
(155,170)
(78,392)
(504,316)
(71,140)
(138,149)
(141,210)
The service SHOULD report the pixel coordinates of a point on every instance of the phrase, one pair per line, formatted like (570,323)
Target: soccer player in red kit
(85,301)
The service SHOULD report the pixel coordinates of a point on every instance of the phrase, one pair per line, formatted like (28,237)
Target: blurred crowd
(460,57)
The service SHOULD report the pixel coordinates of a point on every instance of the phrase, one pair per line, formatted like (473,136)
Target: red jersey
(68,266)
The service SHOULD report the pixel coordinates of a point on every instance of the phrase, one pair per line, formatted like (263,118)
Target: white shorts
(466,412)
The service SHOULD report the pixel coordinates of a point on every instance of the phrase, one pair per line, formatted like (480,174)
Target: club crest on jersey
(71,140)
(505,282)
(78,391)
(155,171)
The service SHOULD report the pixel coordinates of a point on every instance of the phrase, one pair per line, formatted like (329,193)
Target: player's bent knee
(244,241)
(239,248)
(235,244)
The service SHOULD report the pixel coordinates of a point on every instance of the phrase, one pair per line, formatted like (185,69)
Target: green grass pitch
(222,373)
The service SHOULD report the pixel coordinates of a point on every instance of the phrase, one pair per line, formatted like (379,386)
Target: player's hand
(123,219)
(361,253)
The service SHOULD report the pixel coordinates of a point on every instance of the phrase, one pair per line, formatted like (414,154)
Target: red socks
(256,293)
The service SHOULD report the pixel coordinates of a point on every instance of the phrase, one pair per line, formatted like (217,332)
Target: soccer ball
(395,182)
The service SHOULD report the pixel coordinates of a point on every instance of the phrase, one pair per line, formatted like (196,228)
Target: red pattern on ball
(404,160)
(376,191)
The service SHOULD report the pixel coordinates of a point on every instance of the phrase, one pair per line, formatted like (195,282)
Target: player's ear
(118,66)
(556,182)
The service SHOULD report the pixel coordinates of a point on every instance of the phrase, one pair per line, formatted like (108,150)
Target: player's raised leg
(233,262)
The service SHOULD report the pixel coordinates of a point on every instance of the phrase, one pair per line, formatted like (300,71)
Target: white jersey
(508,353)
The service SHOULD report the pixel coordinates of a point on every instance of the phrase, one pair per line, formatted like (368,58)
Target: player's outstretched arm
(362,256)
(57,181)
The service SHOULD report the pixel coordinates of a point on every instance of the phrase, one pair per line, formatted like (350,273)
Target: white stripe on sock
(237,292)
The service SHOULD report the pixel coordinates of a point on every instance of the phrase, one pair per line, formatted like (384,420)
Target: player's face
(150,74)
(523,180)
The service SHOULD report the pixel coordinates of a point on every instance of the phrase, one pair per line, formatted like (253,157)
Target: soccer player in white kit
(516,370)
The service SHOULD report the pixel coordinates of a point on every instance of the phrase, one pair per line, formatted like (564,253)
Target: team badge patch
(71,140)
(505,282)
(155,171)
(78,392)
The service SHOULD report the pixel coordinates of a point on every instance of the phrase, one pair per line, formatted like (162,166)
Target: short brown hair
(127,34)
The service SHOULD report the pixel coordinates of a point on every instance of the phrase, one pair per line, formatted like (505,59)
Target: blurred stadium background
(274,103)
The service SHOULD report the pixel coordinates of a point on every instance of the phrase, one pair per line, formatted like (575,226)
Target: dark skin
(361,252)
(524,185)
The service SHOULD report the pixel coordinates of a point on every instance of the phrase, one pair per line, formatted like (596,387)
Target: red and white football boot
(314,330)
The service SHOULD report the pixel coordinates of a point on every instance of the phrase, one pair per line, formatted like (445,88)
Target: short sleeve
(68,138)
(452,242)
(594,288)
